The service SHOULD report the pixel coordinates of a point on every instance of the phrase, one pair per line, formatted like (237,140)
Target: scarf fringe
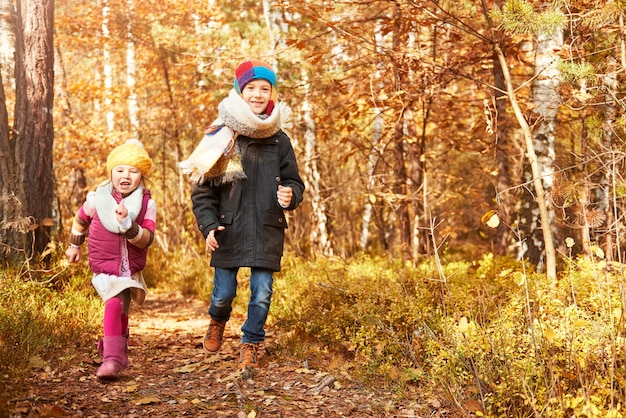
(206,164)
(217,141)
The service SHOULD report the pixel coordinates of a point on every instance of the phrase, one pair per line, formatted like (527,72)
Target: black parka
(254,222)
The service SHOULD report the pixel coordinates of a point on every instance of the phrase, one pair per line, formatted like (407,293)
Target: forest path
(170,375)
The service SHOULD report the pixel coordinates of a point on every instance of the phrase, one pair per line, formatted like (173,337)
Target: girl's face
(257,94)
(125,178)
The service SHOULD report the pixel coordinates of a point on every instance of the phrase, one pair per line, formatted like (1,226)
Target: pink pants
(116,315)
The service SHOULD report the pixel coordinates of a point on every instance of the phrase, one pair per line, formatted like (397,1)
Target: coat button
(280,220)
(277,178)
(222,216)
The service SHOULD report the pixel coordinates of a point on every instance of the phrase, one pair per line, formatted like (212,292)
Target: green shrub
(44,316)
(374,311)
(490,330)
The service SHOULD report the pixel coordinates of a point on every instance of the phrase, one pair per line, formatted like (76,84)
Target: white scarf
(235,117)
(106,203)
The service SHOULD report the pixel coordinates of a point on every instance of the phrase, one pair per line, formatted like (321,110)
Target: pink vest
(105,247)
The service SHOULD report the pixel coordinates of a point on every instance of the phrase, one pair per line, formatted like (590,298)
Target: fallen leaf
(47,222)
(472,405)
(52,411)
(213,358)
(36,362)
(188,368)
(147,400)
(130,388)
(231,377)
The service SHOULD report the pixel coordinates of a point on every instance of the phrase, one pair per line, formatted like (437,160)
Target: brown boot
(248,356)
(213,338)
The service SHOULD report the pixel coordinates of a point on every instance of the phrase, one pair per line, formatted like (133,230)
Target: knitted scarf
(106,203)
(217,157)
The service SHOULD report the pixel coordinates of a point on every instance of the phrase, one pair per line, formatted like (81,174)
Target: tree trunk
(550,253)
(505,202)
(131,74)
(29,204)
(401,233)
(585,199)
(401,229)
(370,167)
(319,232)
(7,36)
(546,102)
(609,171)
(107,67)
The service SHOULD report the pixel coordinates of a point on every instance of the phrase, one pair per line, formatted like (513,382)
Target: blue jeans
(225,290)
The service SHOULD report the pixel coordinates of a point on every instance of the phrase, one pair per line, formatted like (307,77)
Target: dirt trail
(170,375)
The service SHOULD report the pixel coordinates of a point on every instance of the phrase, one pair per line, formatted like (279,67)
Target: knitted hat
(253,70)
(130,153)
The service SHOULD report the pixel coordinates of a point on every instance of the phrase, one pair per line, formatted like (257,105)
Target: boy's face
(125,178)
(257,94)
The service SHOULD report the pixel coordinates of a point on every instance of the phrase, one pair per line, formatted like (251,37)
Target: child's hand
(122,218)
(121,212)
(284,195)
(73,254)
(211,242)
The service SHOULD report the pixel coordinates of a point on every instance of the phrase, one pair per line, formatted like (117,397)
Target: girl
(119,218)
(247,175)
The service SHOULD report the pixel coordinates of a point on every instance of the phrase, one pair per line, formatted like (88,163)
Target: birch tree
(107,67)
(519,17)
(545,106)
(131,74)
(374,151)
(319,233)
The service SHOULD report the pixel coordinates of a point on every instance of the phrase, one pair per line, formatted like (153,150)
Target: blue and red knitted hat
(253,70)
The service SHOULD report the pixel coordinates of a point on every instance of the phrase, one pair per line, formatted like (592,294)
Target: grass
(45,317)
(486,330)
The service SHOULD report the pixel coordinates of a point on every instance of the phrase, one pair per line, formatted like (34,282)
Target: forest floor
(170,376)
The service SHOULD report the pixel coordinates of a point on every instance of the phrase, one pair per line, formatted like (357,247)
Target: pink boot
(115,357)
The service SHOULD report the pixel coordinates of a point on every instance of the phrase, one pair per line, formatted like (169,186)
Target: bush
(41,313)
(491,330)
(182,271)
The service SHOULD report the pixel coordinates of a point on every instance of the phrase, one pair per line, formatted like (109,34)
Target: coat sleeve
(289,173)
(205,201)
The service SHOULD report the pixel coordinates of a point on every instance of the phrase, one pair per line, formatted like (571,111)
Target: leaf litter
(170,375)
